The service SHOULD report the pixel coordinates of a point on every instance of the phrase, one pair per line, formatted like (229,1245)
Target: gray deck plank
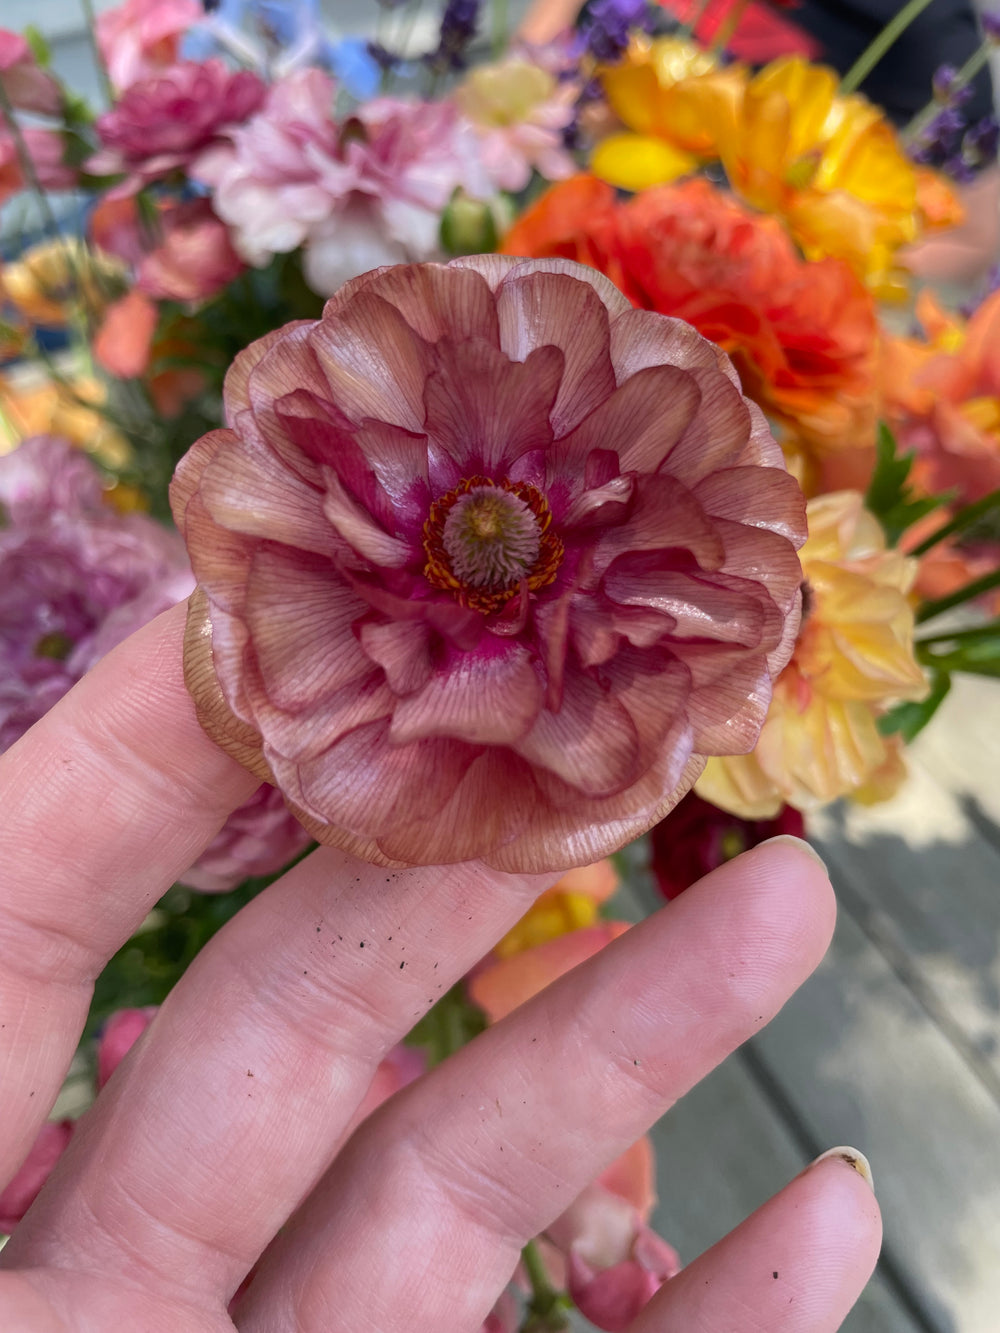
(857,1056)
(721,1153)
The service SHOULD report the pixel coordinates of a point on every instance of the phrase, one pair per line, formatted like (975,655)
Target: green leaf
(40,48)
(909,719)
(890,497)
(448,1026)
(977,521)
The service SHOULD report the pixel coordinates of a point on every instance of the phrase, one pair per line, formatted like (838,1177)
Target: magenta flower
(488,561)
(118,1035)
(259,838)
(46,150)
(27,85)
(165,123)
(75,577)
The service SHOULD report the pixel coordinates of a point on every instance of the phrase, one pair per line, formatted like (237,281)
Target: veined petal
(402,650)
(591,743)
(491,696)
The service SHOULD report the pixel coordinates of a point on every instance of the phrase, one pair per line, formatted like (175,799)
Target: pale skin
(227,1121)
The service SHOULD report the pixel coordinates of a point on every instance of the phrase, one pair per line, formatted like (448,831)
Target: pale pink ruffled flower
(490,560)
(519,112)
(165,123)
(259,838)
(369,191)
(28,87)
(194,261)
(141,37)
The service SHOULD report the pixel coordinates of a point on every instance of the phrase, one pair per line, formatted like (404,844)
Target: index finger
(105,801)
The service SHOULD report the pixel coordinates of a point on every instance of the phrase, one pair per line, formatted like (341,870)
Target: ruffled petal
(490,697)
(591,743)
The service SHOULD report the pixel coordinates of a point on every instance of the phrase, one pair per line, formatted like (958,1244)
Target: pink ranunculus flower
(519,112)
(615,1262)
(489,561)
(194,261)
(141,38)
(22,1191)
(259,838)
(164,123)
(356,195)
(117,1037)
(27,85)
(281,173)
(75,577)
(46,149)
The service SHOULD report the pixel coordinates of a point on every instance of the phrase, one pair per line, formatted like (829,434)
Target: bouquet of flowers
(643,522)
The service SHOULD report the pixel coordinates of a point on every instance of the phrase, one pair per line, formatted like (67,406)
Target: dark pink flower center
(484,540)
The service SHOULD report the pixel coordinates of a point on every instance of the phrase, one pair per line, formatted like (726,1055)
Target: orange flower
(803,335)
(73,411)
(854,656)
(124,341)
(942,396)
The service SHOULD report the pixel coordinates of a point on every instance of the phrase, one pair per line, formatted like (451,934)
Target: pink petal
(488,697)
(666,519)
(641,338)
(590,743)
(436,302)
(355,526)
(485,411)
(544,309)
(760,497)
(402,650)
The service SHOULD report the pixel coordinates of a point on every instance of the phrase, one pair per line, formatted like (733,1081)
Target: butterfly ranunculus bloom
(488,561)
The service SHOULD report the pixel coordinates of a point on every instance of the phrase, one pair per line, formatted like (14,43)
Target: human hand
(226,1124)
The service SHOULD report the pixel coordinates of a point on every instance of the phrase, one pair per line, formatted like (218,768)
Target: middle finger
(234,1102)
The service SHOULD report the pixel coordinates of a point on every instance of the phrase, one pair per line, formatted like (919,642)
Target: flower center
(484,539)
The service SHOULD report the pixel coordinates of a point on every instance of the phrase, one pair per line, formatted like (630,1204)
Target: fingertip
(800,872)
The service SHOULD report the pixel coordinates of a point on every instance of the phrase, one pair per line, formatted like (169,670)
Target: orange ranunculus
(942,397)
(803,335)
(572,904)
(670,94)
(55,278)
(125,339)
(832,167)
(854,657)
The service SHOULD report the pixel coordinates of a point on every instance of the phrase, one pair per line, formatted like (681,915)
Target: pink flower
(166,122)
(22,1191)
(259,838)
(519,112)
(118,1035)
(488,561)
(615,1262)
(141,37)
(28,87)
(194,261)
(45,147)
(75,578)
(369,192)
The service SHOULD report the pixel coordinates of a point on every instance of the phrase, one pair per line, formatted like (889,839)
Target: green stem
(874,52)
(102,70)
(27,164)
(727,27)
(965,518)
(546,1308)
(963,77)
(501,20)
(688,30)
(964,594)
(990,628)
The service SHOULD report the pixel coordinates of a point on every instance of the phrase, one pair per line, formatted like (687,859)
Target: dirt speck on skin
(402,965)
(249,1073)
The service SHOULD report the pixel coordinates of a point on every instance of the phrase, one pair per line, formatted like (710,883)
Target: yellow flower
(854,657)
(53,277)
(833,167)
(670,94)
(72,411)
(572,904)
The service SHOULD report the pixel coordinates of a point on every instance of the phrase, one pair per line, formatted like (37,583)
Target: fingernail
(800,844)
(854,1159)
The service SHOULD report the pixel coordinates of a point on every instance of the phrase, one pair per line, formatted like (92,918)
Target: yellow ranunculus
(833,167)
(671,95)
(73,412)
(53,277)
(853,658)
(572,904)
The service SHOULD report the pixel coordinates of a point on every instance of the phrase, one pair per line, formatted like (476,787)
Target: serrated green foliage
(889,496)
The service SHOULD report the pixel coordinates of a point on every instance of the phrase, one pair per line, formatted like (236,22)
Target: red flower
(697,837)
(488,561)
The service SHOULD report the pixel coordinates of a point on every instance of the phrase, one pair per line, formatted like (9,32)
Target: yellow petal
(637,161)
